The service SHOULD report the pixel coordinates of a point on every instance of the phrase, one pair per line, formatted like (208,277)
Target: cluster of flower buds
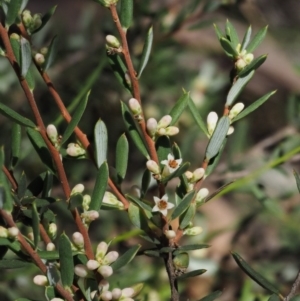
(11,233)
(112,201)
(101,263)
(243,58)
(191,231)
(52,230)
(30,22)
(113,45)
(193,177)
(117,294)
(162,205)
(162,127)
(75,150)
(53,135)
(39,56)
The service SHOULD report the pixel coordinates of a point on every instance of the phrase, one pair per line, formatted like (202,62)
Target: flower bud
(170,234)
(75,150)
(101,249)
(106,296)
(128,79)
(93,294)
(13,232)
(79,188)
(153,167)
(44,50)
(52,133)
(56,299)
(189,175)
(15,36)
(50,246)
(248,58)
(105,271)
(30,236)
(92,264)
(230,130)
(27,18)
(110,257)
(81,270)
(135,106)
(161,132)
(116,293)
(40,280)
(127,292)
(235,110)
(39,58)
(172,131)
(110,199)
(151,126)
(198,174)
(52,230)
(107,3)
(78,240)
(112,41)
(86,202)
(202,194)
(89,216)
(103,285)
(164,121)
(212,120)
(37,21)
(3,232)
(240,64)
(193,231)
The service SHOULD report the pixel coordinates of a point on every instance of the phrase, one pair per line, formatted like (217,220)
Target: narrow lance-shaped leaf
(138,217)
(100,133)
(133,131)
(145,182)
(237,88)
(212,296)
(179,107)
(254,275)
(258,38)
(253,65)
(13,264)
(253,106)
(50,293)
(246,38)
(146,52)
(6,200)
(126,13)
(66,260)
(216,141)
(183,205)
(14,116)
(218,31)
(138,202)
(163,148)
(75,119)
(12,12)
(25,56)
(15,144)
(197,116)
(276,298)
(46,17)
(228,47)
(232,34)
(297,178)
(125,258)
(35,225)
(51,54)
(187,216)
(99,188)
(122,151)
(190,248)
(192,274)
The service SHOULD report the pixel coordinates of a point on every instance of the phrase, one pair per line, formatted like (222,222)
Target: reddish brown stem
(10,178)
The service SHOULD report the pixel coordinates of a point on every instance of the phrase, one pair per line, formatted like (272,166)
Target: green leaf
(145,182)
(6,200)
(133,131)
(228,47)
(41,148)
(35,225)
(22,186)
(75,119)
(138,217)
(146,52)
(13,245)
(23,299)
(126,13)
(181,261)
(12,12)
(163,148)
(66,260)
(253,65)
(30,79)
(122,152)
(246,38)
(14,264)
(125,258)
(197,116)
(138,202)
(179,107)
(47,185)
(176,151)
(183,205)
(187,216)
(237,88)
(50,292)
(218,31)
(15,144)
(253,106)
(99,188)
(101,138)
(212,296)
(297,178)
(190,248)
(14,116)
(258,38)
(274,298)
(254,275)
(26,57)
(216,141)
(75,201)
(191,274)
(46,17)
(177,173)
(51,54)
(232,34)
(51,255)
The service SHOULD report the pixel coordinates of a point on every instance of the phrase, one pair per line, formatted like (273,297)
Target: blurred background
(258,218)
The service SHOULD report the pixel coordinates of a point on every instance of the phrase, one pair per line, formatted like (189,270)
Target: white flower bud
(101,249)
(202,194)
(240,64)
(75,150)
(193,231)
(189,175)
(128,79)
(39,58)
(79,188)
(93,294)
(27,18)
(110,199)
(108,3)
(103,285)
(30,236)
(13,232)
(44,50)
(116,293)
(52,133)
(112,41)
(3,232)
(50,246)
(110,257)
(248,58)
(135,106)
(92,264)
(230,130)
(164,121)
(78,240)
(212,119)
(56,299)
(161,132)
(153,167)
(172,131)
(52,230)
(198,174)
(37,20)
(151,126)
(105,271)
(127,292)
(106,296)
(89,216)
(81,270)
(86,202)
(236,109)
(40,280)
(170,234)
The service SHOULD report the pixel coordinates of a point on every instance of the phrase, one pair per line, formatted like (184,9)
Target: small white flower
(162,205)
(171,164)
(81,270)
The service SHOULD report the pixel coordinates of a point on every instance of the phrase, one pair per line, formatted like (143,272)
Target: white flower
(170,165)
(162,205)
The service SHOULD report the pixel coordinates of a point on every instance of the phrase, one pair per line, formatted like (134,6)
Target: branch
(294,288)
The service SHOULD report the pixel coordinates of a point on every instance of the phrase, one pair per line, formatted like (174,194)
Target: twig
(294,288)
(172,277)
